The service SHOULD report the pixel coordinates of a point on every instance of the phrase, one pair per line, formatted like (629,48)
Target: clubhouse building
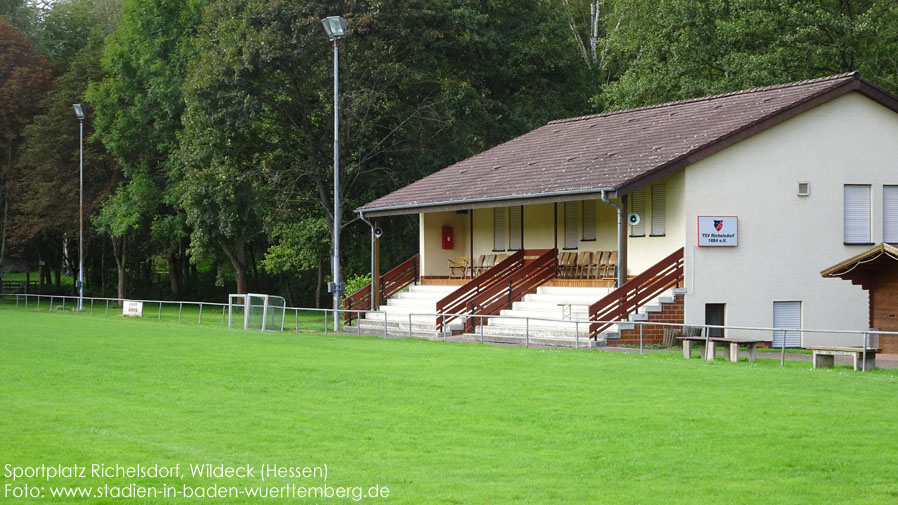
(745,196)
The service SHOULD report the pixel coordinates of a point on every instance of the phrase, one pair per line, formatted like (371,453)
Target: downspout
(362,217)
(620,274)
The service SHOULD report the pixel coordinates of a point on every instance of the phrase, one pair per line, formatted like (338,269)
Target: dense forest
(208,128)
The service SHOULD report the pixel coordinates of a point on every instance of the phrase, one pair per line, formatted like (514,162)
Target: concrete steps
(413,305)
(536,320)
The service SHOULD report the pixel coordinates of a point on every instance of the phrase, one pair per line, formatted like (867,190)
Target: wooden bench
(825,357)
(727,344)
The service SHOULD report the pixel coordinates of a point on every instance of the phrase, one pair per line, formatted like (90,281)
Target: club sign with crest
(718,231)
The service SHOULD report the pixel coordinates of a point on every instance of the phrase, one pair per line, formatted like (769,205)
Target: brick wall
(670,313)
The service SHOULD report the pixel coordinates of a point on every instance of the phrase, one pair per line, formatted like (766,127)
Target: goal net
(256,311)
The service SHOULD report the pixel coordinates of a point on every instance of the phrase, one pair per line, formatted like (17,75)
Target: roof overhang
(858,269)
(487,203)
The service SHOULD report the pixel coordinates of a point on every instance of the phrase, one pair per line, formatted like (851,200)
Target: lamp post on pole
(335,27)
(79,111)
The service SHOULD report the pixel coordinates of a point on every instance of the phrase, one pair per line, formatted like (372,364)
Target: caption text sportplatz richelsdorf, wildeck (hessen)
(26,481)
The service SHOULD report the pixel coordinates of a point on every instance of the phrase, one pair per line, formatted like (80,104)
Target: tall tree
(25,79)
(686,48)
(472,74)
(48,168)
(138,115)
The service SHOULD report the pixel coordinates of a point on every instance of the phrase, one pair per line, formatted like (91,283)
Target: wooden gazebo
(875,270)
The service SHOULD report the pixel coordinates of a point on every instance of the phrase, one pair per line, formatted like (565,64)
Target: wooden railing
(636,292)
(498,287)
(392,282)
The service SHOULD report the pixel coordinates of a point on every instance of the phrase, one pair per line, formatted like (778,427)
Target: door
(714,315)
(787,315)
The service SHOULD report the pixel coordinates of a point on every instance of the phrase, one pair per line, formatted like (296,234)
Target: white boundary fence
(28,301)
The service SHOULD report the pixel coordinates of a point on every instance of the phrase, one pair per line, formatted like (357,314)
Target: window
(515,228)
(659,210)
(857,214)
(499,229)
(804,188)
(589,219)
(890,214)
(570,225)
(787,315)
(637,206)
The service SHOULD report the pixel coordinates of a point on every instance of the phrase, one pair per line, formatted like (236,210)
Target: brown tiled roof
(616,151)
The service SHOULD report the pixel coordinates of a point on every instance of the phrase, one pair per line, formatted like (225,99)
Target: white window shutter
(659,210)
(890,214)
(499,229)
(787,315)
(857,214)
(570,225)
(515,231)
(589,219)
(637,206)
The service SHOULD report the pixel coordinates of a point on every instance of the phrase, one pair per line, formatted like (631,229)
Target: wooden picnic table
(730,344)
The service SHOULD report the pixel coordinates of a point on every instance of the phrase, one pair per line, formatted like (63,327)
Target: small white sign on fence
(132,308)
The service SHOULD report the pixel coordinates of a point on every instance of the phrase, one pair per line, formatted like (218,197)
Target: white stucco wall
(785,240)
(643,252)
(435,259)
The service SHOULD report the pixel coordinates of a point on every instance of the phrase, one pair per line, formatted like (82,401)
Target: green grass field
(434,422)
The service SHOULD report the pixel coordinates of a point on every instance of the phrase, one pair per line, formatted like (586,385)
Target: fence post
(180,308)
(107,307)
(325,321)
(63,304)
(51,303)
(864,362)
(577,333)
(159,317)
(527,330)
(481,332)
(296,320)
(783,351)
(708,355)
(409,325)
(91,306)
(641,347)
(222,313)
(200,320)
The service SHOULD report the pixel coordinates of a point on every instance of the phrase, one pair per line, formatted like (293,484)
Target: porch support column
(375,269)
(622,240)
(471,241)
(555,225)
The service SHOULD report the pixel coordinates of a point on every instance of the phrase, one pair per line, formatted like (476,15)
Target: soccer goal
(258,312)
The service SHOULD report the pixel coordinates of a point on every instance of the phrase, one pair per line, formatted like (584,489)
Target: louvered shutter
(499,229)
(787,315)
(637,206)
(890,214)
(570,225)
(515,232)
(589,219)
(659,210)
(857,214)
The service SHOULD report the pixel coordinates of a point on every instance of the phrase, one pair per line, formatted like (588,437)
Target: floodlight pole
(337,213)
(81,212)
